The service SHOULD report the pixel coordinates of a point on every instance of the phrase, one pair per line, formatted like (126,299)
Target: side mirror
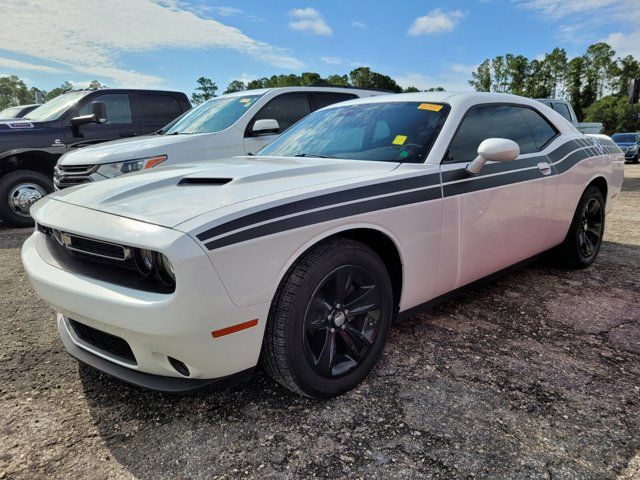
(265,126)
(494,150)
(98,115)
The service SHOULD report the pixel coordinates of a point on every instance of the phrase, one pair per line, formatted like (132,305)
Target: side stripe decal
(390,194)
(323,201)
(319,216)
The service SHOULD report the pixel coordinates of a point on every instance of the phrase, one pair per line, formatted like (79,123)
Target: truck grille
(88,246)
(70,175)
(115,346)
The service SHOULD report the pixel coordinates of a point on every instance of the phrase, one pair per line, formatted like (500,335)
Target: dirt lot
(535,376)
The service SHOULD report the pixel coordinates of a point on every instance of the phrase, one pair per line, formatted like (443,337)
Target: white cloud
(309,19)
(578,20)
(18,65)
(226,11)
(625,44)
(89,36)
(463,69)
(358,24)
(327,60)
(436,21)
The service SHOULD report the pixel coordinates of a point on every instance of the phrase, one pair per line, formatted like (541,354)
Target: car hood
(172,195)
(626,144)
(130,149)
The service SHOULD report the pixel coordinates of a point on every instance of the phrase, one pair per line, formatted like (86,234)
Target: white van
(239,123)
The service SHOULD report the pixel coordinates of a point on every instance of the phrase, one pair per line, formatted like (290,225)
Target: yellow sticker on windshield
(432,107)
(245,100)
(400,139)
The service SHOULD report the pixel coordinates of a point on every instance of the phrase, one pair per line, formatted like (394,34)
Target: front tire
(329,320)
(582,244)
(18,191)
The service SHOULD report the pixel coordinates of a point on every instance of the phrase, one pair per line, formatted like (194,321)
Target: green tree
(481,78)
(555,69)
(538,84)
(615,113)
(600,69)
(500,77)
(574,77)
(14,91)
(364,77)
(65,87)
(410,90)
(628,68)
(205,90)
(517,71)
(235,86)
(338,80)
(96,85)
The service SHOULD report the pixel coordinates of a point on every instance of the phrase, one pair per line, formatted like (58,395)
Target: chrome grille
(69,175)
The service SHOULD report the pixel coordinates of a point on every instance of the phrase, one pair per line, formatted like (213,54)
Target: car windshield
(213,115)
(385,132)
(10,112)
(625,137)
(53,109)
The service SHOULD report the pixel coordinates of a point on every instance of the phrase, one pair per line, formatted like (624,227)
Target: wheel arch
(36,160)
(378,238)
(601,184)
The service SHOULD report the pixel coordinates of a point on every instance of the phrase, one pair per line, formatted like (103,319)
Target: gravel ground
(535,376)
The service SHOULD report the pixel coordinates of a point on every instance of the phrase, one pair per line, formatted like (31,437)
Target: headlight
(165,269)
(633,148)
(111,170)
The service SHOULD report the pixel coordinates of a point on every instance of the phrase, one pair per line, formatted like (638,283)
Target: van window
(324,99)
(563,110)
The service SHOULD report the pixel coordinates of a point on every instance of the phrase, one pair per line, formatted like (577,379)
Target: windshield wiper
(315,155)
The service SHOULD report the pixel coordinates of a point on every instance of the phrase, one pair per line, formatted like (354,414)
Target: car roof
(124,90)
(311,88)
(455,99)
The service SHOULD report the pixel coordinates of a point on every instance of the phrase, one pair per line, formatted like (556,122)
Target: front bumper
(157,327)
(140,379)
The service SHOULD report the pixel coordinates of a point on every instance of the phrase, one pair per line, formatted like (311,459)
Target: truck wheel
(582,244)
(329,320)
(18,191)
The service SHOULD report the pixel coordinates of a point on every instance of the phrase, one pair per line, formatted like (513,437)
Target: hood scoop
(204,181)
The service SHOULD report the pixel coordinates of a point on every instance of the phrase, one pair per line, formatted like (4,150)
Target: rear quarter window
(156,109)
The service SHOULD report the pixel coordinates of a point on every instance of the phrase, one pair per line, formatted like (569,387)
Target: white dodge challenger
(301,258)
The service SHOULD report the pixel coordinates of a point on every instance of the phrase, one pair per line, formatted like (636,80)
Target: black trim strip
(461,173)
(564,150)
(473,185)
(572,160)
(326,200)
(327,215)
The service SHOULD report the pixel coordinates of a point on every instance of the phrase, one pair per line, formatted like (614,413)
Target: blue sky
(169,43)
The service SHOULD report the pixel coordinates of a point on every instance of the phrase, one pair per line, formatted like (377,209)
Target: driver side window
(118,108)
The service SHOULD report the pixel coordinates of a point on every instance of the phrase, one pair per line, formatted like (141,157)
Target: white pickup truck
(565,109)
(239,123)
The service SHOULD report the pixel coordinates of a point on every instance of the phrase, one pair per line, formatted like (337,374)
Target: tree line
(596,83)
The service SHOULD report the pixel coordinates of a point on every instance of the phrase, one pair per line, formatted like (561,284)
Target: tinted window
(287,109)
(157,109)
(324,99)
(118,107)
(540,129)
(563,110)
(490,122)
(386,132)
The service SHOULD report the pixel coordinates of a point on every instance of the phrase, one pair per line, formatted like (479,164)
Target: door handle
(545,168)
(127,134)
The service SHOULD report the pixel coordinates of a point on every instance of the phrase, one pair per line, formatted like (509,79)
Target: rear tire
(329,320)
(582,243)
(18,191)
